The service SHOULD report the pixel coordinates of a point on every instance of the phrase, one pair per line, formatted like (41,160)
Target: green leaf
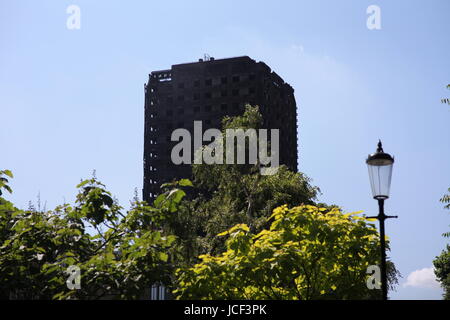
(82,183)
(185,183)
(176,195)
(159,200)
(8,188)
(163,256)
(8,173)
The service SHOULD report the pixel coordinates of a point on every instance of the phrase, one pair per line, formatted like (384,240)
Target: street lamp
(380,172)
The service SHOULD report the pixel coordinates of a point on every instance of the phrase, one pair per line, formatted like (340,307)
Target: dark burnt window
(208,82)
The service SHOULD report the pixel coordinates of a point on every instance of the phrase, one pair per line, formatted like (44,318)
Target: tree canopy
(307,253)
(124,256)
(229,194)
(442,262)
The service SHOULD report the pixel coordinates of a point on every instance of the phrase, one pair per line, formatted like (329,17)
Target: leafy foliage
(442,262)
(307,253)
(446,100)
(4,181)
(229,194)
(446,199)
(442,271)
(127,254)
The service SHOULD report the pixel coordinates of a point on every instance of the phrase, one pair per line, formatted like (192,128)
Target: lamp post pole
(381,217)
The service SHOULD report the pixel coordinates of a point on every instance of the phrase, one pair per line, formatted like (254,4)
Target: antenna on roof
(206,57)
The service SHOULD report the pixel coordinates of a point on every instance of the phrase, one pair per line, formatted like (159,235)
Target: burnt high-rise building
(206,91)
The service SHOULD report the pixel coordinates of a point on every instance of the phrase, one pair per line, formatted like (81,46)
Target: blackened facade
(206,91)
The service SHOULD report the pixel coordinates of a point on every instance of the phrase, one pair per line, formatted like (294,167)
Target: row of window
(207,82)
(286,139)
(223,80)
(208,108)
(209,95)
(181,124)
(224,107)
(172,126)
(223,93)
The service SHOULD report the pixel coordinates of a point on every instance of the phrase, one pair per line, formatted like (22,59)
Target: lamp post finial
(380,146)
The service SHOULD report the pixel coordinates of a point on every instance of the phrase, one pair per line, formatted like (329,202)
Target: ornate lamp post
(380,172)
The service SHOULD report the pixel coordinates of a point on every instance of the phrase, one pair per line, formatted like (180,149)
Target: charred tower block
(206,91)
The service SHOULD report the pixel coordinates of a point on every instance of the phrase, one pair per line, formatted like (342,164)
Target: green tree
(122,258)
(442,262)
(307,253)
(229,194)
(442,271)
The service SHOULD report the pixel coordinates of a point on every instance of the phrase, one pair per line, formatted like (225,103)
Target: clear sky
(73,100)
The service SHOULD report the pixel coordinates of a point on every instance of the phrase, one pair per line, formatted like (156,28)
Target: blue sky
(72,100)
